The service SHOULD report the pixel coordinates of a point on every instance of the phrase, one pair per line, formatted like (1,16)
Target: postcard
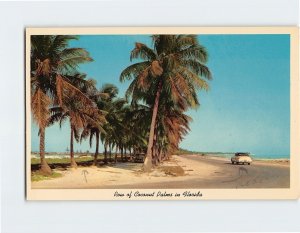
(162,113)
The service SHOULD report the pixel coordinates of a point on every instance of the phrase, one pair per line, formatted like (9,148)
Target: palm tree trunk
(97,150)
(73,162)
(154,155)
(116,155)
(148,160)
(44,169)
(166,156)
(159,154)
(122,158)
(110,148)
(130,154)
(105,154)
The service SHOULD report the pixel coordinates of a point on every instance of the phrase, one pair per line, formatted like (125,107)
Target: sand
(184,171)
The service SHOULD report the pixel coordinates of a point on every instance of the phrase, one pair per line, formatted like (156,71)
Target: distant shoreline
(254,157)
(260,160)
(207,154)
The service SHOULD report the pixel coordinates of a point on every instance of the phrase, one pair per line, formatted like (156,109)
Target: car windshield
(241,154)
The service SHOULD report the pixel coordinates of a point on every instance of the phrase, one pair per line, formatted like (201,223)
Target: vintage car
(138,158)
(241,158)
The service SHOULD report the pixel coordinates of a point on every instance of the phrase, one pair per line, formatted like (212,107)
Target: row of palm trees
(151,118)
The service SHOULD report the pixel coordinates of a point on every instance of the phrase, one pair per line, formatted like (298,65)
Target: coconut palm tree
(102,98)
(51,59)
(80,117)
(82,113)
(172,126)
(115,129)
(137,123)
(176,66)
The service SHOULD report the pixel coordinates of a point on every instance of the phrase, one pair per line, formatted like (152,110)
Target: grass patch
(63,160)
(36,176)
(172,170)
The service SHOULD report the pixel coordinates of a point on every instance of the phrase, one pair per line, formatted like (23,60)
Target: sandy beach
(181,171)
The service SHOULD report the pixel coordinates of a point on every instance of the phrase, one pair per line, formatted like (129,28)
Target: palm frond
(40,104)
(59,42)
(193,78)
(70,64)
(67,90)
(194,52)
(196,67)
(134,70)
(142,51)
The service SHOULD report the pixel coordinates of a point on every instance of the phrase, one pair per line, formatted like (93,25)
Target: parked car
(138,157)
(241,158)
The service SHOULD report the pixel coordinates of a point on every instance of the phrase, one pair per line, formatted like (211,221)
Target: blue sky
(246,109)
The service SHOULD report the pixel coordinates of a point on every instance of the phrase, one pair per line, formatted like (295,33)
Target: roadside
(184,171)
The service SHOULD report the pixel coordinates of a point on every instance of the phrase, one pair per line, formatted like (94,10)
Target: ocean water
(254,156)
(272,156)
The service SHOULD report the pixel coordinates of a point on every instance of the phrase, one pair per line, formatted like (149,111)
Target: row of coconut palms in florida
(151,117)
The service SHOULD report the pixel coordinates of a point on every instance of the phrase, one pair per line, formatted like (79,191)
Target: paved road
(256,175)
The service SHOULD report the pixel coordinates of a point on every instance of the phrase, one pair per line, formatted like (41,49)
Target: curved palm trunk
(73,163)
(166,156)
(159,154)
(97,150)
(44,169)
(148,160)
(155,155)
(154,148)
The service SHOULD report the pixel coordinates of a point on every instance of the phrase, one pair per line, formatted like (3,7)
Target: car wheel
(248,163)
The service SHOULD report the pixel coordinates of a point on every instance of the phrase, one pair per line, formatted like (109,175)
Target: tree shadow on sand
(121,164)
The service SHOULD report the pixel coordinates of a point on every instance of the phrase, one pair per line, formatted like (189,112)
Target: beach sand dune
(183,171)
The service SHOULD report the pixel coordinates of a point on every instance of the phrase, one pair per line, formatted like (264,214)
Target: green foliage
(181,151)
(36,176)
(175,68)
(178,64)
(63,160)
